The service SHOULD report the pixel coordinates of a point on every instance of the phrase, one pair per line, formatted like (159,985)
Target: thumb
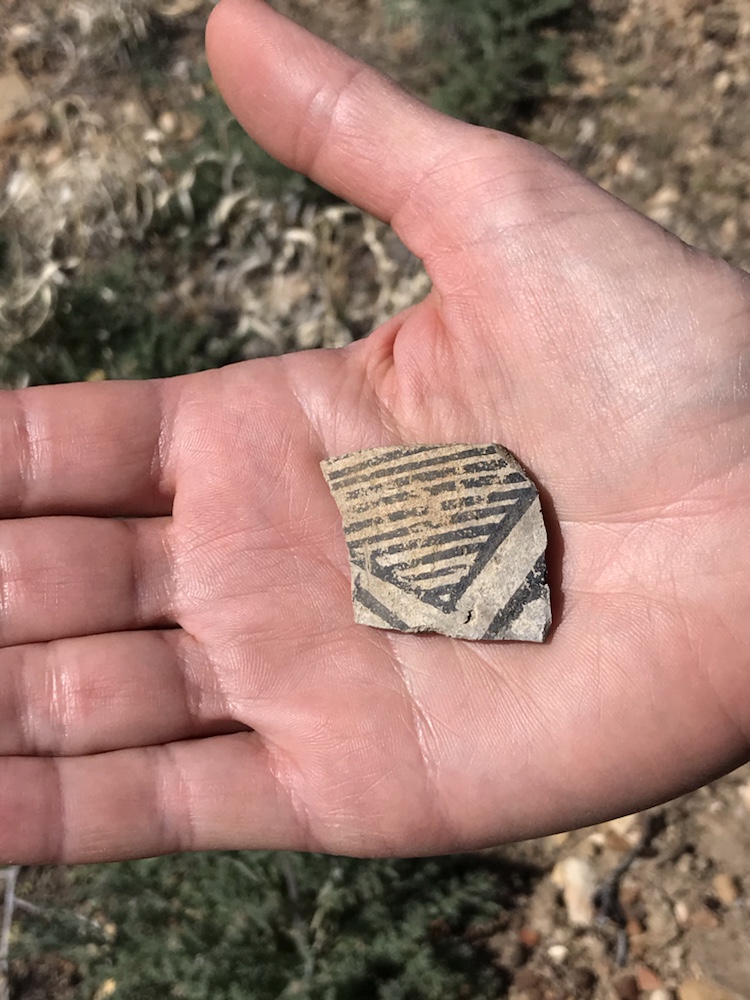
(341,123)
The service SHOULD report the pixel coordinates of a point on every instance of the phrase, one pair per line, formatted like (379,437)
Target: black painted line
(435,574)
(496,464)
(471,484)
(385,536)
(459,550)
(386,455)
(367,600)
(530,590)
(371,522)
(504,528)
(378,500)
(470,531)
(494,497)
(401,515)
(338,477)
(379,489)
(484,513)
(446,487)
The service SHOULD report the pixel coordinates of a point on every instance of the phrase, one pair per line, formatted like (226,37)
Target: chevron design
(443,538)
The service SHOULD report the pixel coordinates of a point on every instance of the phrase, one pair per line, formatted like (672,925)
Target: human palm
(181,666)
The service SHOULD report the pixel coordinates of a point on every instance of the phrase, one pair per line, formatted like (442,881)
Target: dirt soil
(658,115)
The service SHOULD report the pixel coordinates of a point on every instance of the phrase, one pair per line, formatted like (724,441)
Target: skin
(180,666)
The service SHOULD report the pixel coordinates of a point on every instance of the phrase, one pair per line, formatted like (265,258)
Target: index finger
(93,448)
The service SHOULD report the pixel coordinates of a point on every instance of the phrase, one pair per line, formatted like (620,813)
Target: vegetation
(233,926)
(495,59)
(130,285)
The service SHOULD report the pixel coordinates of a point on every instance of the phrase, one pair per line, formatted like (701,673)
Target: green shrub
(260,926)
(108,322)
(493,60)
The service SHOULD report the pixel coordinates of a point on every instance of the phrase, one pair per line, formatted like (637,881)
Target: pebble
(648,979)
(107,989)
(662,994)
(627,827)
(558,953)
(578,882)
(681,912)
(722,82)
(168,122)
(626,988)
(725,888)
(701,989)
(615,842)
(744,791)
(529,937)
(634,927)
(704,919)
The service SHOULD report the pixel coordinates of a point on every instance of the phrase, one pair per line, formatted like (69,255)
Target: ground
(655,111)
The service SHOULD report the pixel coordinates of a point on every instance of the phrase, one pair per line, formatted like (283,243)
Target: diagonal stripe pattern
(443,538)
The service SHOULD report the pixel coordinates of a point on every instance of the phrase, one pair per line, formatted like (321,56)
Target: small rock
(107,989)
(704,919)
(662,925)
(634,927)
(744,791)
(529,937)
(675,957)
(558,953)
(722,82)
(662,994)
(615,842)
(729,232)
(628,827)
(682,913)
(702,989)
(578,882)
(15,94)
(167,122)
(648,979)
(626,164)
(725,888)
(626,988)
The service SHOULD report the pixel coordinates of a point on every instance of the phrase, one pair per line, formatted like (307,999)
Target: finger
(340,122)
(98,448)
(68,576)
(99,693)
(195,795)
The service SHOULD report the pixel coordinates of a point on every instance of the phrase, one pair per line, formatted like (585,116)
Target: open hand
(180,667)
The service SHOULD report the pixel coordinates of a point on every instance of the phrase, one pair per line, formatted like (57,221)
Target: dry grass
(124,145)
